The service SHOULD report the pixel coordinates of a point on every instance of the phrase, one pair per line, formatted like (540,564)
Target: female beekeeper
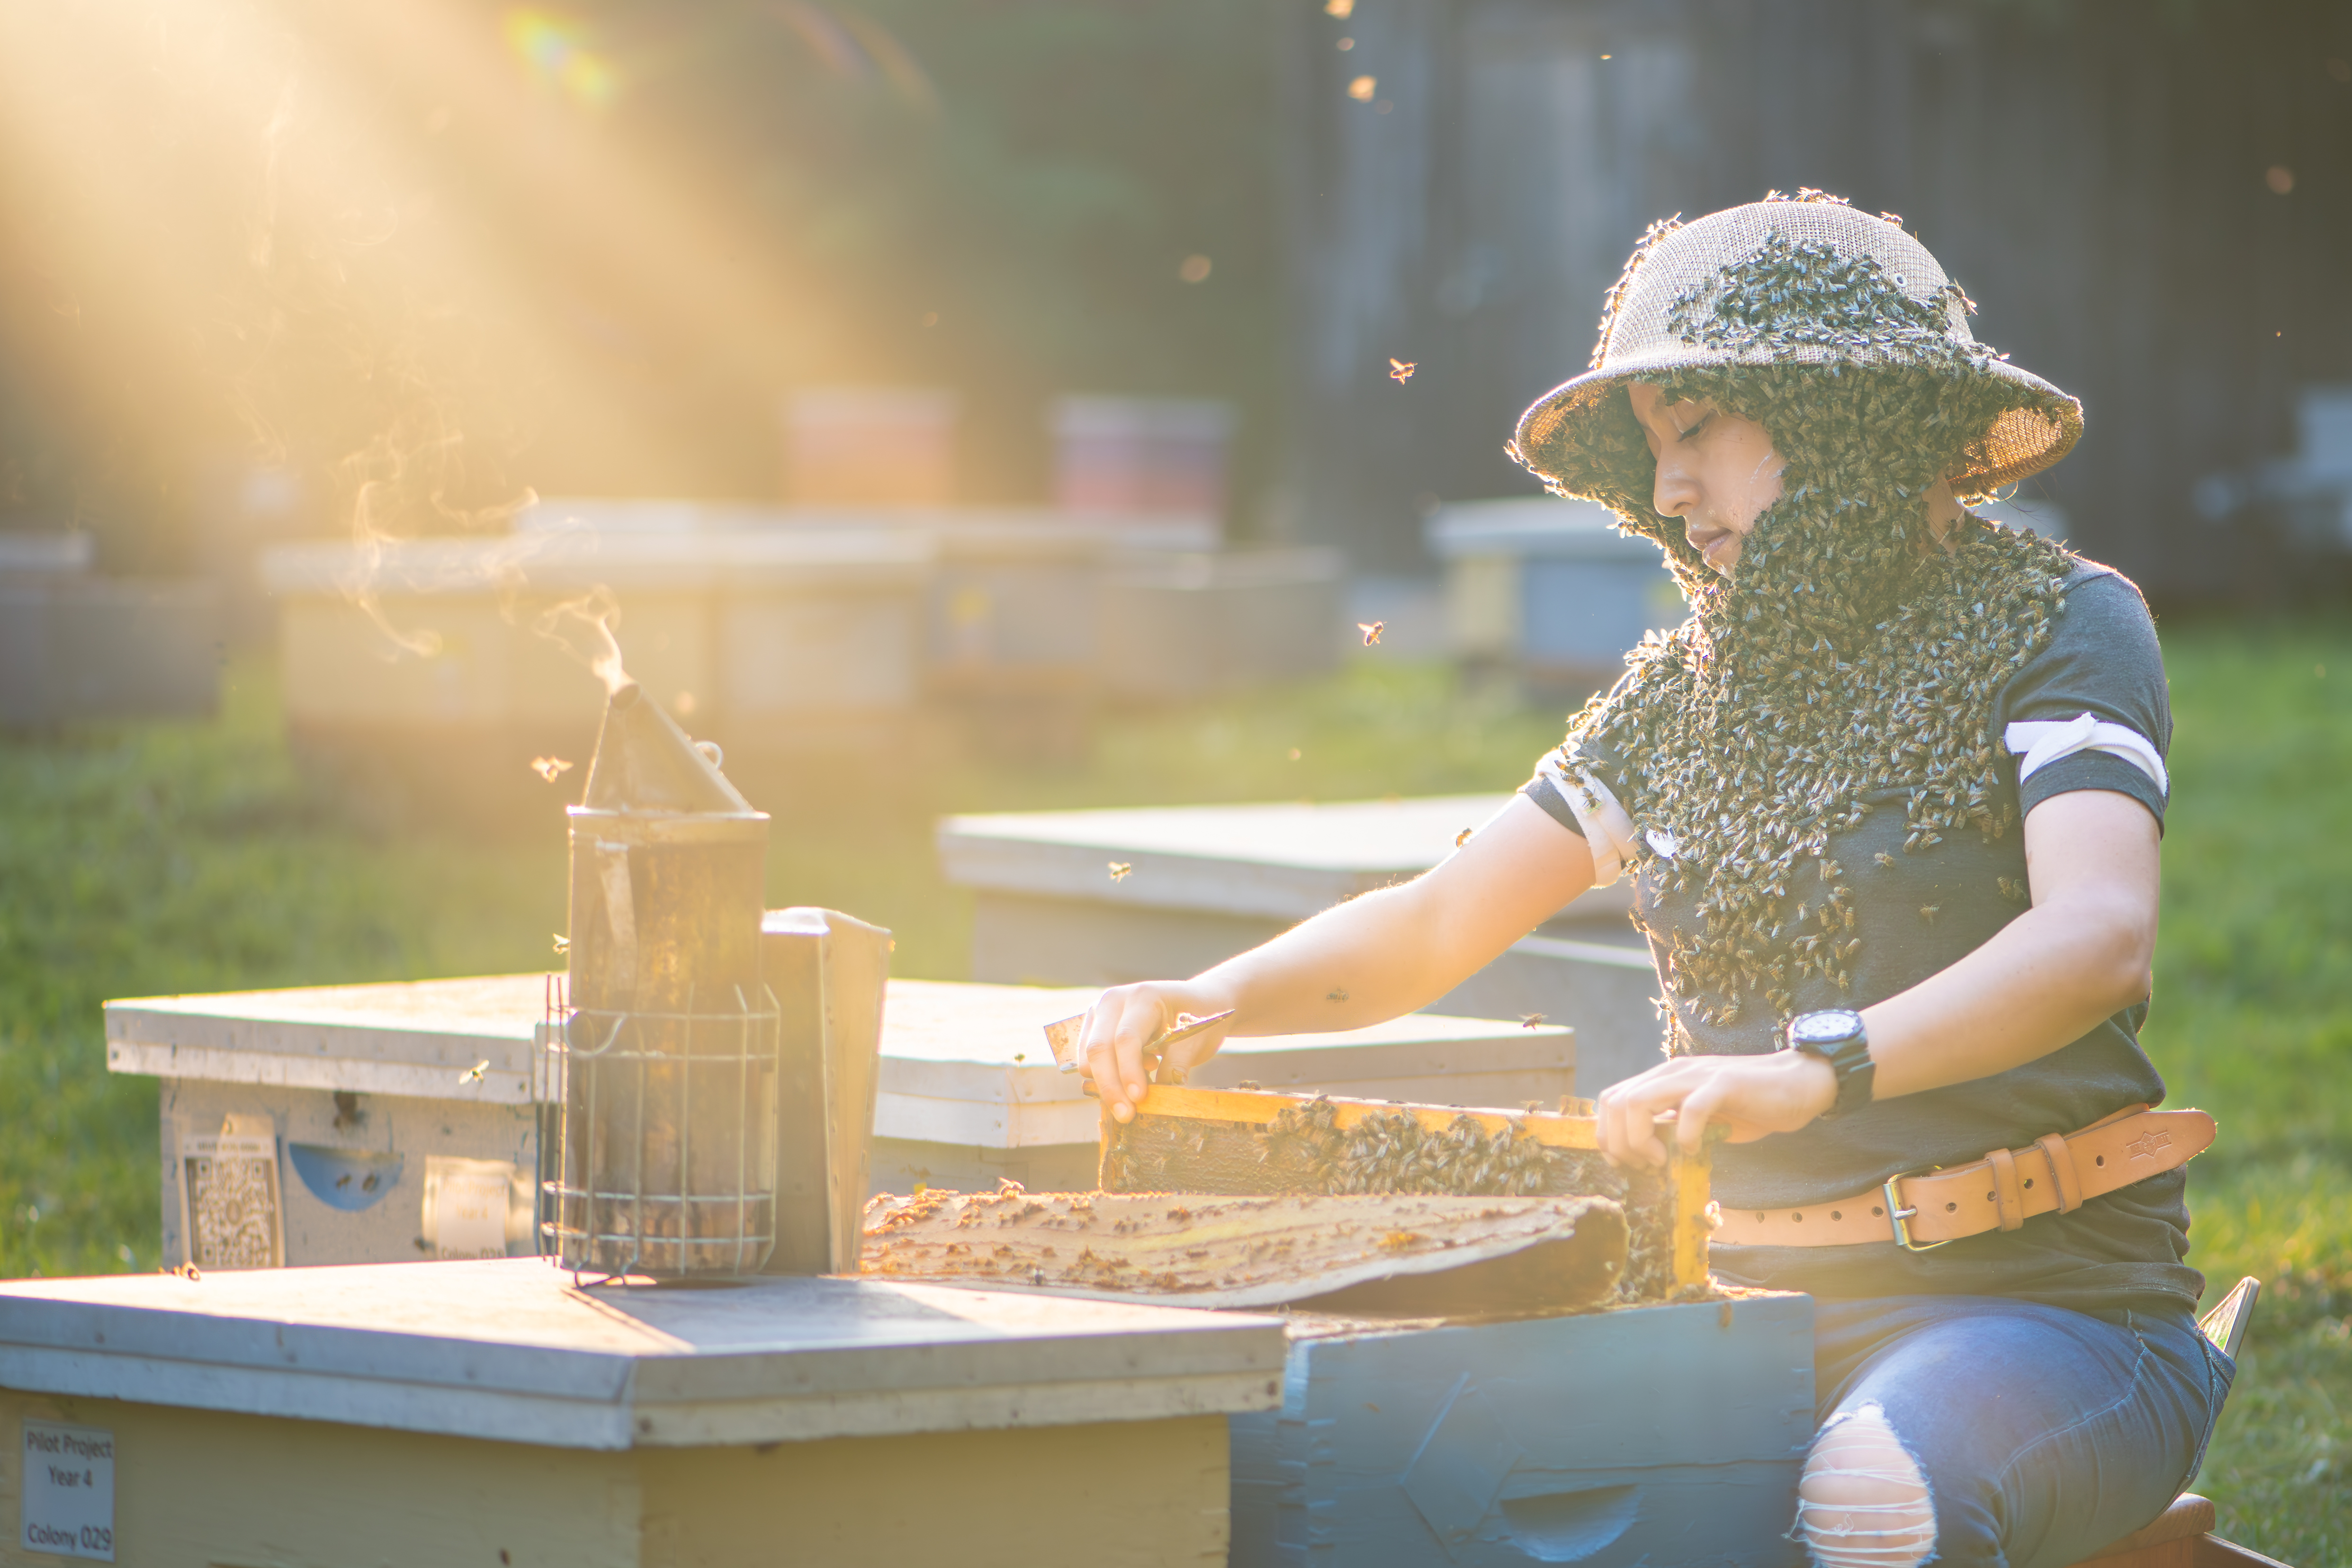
(1891,798)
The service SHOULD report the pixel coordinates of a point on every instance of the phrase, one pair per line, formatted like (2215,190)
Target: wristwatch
(1837,1037)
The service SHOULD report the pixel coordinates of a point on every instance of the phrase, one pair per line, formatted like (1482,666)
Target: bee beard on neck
(1844,660)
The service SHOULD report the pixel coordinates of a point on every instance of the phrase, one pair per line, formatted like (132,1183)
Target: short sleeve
(2102,661)
(1544,789)
(1555,774)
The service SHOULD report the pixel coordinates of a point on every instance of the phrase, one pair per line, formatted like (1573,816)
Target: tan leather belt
(2000,1191)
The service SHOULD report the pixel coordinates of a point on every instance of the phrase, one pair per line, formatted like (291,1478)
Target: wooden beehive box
(1669,1434)
(1237,1142)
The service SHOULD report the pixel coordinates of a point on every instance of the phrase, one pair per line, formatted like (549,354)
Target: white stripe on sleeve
(1608,830)
(2039,743)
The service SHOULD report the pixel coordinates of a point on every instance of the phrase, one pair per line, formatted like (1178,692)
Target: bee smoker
(664,1054)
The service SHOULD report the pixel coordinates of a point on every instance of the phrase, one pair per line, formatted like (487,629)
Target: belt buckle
(1897,1212)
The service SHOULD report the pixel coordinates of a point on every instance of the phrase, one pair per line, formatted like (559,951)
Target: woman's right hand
(1126,1018)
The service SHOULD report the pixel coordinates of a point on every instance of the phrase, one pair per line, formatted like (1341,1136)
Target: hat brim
(2024,441)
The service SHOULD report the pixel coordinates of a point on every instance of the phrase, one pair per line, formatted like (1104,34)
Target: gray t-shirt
(2121,1250)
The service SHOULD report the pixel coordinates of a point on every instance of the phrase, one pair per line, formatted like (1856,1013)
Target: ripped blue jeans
(2044,1434)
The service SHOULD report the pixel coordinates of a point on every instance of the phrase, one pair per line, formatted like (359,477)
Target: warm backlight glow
(555,50)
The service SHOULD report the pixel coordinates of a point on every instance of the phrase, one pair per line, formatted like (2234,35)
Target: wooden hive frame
(1232,1141)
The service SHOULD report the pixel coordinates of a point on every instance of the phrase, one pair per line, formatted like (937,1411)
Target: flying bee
(1462,838)
(1120,869)
(1400,370)
(550,767)
(1371,630)
(474,1073)
(1927,911)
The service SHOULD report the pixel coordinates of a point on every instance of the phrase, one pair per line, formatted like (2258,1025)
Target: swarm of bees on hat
(1852,663)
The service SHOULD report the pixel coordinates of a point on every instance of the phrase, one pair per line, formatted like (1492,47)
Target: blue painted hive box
(1664,1435)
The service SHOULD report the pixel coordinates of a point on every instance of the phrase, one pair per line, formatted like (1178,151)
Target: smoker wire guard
(561,1066)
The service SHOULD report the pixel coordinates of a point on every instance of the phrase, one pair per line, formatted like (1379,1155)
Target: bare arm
(2079,955)
(1360,962)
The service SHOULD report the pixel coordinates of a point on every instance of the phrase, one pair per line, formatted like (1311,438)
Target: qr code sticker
(231,1185)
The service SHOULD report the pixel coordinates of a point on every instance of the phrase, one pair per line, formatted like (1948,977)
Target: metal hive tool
(1236,1141)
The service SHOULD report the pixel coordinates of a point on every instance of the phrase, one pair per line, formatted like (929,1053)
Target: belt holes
(1835,1215)
(1799,1217)
(1761,1219)
(1990,1198)
(2029,1181)
(1951,1208)
(2098,1159)
(1876,1212)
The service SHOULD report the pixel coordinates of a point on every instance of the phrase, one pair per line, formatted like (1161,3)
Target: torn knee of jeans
(1863,1502)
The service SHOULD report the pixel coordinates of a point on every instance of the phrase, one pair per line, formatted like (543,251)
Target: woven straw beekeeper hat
(1781,281)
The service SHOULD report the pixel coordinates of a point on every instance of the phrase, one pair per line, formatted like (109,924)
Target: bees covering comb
(1235,1143)
(1416,1255)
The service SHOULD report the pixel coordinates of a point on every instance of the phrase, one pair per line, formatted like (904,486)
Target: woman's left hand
(1778,1092)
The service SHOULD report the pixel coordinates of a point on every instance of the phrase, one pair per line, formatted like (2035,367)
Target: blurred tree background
(416,258)
(428,256)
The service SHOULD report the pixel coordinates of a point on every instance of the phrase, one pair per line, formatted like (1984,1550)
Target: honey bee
(1462,838)
(1120,869)
(474,1073)
(550,767)
(1371,630)
(1531,1021)
(1400,370)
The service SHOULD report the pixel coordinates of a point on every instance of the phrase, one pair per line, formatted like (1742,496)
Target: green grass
(2252,1021)
(199,857)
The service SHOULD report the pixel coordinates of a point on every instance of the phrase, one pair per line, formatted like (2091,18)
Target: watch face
(1825,1027)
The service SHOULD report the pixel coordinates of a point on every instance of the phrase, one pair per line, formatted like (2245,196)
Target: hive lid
(644,762)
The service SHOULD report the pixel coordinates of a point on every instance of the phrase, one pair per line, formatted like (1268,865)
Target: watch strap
(1850,1061)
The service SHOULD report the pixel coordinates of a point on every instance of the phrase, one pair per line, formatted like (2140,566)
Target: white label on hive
(229,1183)
(468,1203)
(69,1490)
